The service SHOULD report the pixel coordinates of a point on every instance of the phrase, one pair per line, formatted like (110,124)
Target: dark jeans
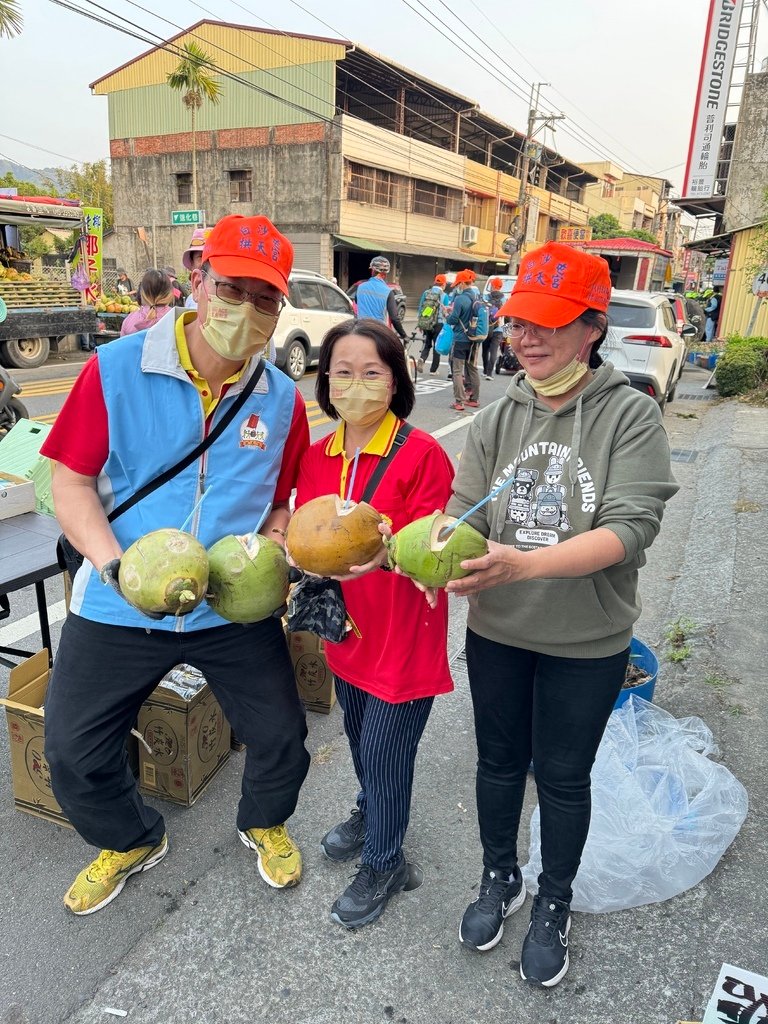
(490,351)
(429,341)
(101,677)
(383,738)
(553,710)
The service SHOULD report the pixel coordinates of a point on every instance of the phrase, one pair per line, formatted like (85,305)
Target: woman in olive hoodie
(551,606)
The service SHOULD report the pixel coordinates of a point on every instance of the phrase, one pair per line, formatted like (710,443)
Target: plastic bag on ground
(663,813)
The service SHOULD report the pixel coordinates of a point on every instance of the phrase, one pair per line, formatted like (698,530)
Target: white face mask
(563,380)
(237,332)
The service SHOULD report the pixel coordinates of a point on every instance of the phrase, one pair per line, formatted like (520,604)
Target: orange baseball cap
(465,277)
(440,279)
(495,284)
(556,284)
(250,247)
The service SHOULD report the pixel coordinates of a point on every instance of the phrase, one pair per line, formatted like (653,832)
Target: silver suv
(313,306)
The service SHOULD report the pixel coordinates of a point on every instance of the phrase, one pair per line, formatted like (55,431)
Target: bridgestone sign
(712,98)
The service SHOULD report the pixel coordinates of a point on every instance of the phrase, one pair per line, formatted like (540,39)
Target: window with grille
(183,188)
(480,211)
(240,187)
(380,188)
(436,200)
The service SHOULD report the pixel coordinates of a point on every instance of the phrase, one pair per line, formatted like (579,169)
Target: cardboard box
(313,677)
(17,495)
(188,735)
(27,686)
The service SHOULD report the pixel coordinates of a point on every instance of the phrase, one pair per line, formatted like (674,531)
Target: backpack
(478,321)
(430,311)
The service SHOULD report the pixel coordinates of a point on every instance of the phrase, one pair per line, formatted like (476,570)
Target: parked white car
(643,342)
(314,305)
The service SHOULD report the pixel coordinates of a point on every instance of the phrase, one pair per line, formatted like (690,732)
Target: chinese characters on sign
(87,264)
(574,234)
(182,217)
(739,997)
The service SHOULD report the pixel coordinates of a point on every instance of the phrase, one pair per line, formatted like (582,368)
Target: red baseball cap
(556,284)
(250,247)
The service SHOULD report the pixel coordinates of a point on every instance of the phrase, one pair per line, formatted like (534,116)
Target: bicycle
(413,361)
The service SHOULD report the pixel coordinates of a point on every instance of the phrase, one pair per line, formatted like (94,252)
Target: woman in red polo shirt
(388,676)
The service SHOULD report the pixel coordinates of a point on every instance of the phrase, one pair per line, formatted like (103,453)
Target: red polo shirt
(401,653)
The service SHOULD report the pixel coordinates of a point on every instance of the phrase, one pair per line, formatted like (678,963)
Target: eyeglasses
(517,331)
(236,296)
(342,380)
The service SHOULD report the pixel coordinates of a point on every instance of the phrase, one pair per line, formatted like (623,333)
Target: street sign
(760,284)
(187,217)
(720,271)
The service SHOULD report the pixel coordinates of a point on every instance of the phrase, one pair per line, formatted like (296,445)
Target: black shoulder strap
(398,442)
(197,451)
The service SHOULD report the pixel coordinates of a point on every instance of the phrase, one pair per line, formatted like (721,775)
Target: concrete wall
(296,174)
(745,203)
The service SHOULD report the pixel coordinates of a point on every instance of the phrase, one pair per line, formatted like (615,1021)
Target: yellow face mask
(360,403)
(237,332)
(561,382)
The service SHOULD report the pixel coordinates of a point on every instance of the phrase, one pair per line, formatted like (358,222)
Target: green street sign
(187,217)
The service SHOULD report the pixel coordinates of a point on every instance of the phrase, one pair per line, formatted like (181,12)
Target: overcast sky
(625,72)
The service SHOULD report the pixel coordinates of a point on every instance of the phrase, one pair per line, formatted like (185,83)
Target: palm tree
(11,21)
(191,78)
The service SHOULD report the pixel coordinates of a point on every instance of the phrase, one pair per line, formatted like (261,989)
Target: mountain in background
(37,176)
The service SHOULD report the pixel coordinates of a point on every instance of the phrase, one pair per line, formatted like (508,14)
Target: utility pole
(533,117)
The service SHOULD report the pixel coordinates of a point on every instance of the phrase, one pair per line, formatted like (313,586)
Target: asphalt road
(201,940)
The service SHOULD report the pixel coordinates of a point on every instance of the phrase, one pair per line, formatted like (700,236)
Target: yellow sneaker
(99,883)
(278,858)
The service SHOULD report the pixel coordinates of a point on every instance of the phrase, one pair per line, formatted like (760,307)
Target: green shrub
(743,366)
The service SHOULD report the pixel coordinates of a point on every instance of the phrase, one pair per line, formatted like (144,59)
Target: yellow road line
(48,418)
(61,386)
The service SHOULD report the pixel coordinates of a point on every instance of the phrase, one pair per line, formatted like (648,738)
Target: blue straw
(189,518)
(352,479)
(447,529)
(261,521)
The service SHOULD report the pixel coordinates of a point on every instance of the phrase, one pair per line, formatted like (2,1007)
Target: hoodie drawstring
(573,461)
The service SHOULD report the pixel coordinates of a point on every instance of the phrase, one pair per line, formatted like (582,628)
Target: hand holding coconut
(502,564)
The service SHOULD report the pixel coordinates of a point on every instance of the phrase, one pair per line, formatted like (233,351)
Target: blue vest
(155,418)
(372,298)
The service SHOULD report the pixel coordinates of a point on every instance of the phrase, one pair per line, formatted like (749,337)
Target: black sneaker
(483,923)
(346,839)
(363,900)
(544,959)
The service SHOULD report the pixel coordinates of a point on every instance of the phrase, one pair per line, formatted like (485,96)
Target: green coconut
(247,578)
(165,571)
(328,535)
(433,560)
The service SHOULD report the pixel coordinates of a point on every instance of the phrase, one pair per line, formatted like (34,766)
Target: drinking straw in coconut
(262,518)
(496,490)
(202,497)
(351,480)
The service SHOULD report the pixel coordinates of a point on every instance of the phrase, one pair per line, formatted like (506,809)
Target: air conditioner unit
(469,234)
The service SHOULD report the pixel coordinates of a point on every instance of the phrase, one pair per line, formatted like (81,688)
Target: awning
(22,213)
(711,206)
(407,249)
(715,245)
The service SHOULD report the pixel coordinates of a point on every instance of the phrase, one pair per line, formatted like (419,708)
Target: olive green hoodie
(601,460)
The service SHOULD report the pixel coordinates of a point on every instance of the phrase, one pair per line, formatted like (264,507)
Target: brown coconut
(328,535)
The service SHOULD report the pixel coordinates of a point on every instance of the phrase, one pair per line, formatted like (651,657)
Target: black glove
(108,574)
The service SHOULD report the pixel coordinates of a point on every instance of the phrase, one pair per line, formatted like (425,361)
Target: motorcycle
(11,409)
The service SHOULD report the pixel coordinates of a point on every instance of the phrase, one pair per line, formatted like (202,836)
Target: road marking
(59,386)
(47,418)
(10,635)
(450,427)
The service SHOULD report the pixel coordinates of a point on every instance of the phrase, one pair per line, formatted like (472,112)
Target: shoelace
(546,922)
(491,894)
(279,841)
(355,826)
(102,867)
(364,880)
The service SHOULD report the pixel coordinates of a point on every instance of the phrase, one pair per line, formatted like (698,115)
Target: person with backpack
(430,321)
(496,327)
(479,325)
(460,319)
(389,669)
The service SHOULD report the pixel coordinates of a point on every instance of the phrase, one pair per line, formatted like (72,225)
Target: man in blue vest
(375,299)
(138,407)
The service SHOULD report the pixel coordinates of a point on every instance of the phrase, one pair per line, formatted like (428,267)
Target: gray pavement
(202,940)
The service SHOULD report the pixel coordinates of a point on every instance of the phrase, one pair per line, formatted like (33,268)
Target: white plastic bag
(663,814)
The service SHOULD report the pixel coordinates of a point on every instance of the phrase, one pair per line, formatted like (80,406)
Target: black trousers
(553,710)
(429,341)
(101,677)
(490,352)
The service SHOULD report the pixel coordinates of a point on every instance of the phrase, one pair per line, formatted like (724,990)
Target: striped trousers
(383,739)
